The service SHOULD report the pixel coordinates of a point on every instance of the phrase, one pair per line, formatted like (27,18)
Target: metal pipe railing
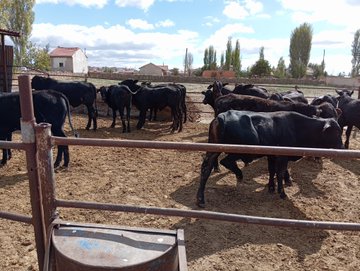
(228,148)
(345,226)
(16,217)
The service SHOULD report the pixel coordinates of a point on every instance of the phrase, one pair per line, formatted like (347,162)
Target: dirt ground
(326,191)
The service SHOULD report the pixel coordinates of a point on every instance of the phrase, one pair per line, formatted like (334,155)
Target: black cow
(350,116)
(325,98)
(49,106)
(279,128)
(251,90)
(290,96)
(248,89)
(78,93)
(182,88)
(118,98)
(159,97)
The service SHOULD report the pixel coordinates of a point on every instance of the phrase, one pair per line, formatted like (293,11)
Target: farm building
(69,59)
(152,69)
(218,74)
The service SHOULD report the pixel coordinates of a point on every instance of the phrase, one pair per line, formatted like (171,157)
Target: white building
(152,69)
(69,59)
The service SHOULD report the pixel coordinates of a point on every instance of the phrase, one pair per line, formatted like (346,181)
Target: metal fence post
(46,173)
(28,137)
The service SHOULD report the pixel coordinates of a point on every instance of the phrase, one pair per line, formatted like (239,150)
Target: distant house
(152,69)
(68,59)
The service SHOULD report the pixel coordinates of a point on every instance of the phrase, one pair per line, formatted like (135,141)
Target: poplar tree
(236,62)
(300,47)
(355,51)
(228,55)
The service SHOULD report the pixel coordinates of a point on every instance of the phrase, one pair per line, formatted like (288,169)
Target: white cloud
(236,9)
(139,24)
(339,12)
(165,23)
(142,4)
(85,3)
(117,45)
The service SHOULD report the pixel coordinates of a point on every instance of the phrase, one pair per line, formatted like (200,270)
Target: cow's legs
(230,163)
(122,117)
(92,114)
(61,149)
(6,152)
(113,118)
(141,120)
(281,169)
(348,132)
(272,172)
(128,112)
(206,167)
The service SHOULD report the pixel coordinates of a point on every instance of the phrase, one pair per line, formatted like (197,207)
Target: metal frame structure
(37,142)
(4,33)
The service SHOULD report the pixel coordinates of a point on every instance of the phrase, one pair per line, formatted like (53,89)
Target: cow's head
(208,97)
(131,83)
(331,135)
(103,92)
(40,83)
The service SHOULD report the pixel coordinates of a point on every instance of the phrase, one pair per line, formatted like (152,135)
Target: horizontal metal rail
(16,217)
(294,223)
(12,145)
(227,148)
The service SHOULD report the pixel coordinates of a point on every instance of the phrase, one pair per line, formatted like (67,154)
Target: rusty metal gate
(51,232)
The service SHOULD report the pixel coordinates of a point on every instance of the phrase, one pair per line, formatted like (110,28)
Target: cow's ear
(351,92)
(339,91)
(203,92)
(135,81)
(338,111)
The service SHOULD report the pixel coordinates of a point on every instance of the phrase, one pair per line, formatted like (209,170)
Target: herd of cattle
(247,115)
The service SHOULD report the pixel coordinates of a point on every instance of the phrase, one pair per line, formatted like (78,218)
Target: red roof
(64,51)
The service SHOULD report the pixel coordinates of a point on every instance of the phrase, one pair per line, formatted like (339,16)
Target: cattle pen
(45,205)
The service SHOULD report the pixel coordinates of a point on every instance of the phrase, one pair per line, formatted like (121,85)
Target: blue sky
(131,33)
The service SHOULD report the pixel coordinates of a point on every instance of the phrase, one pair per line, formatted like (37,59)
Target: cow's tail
(76,134)
(95,96)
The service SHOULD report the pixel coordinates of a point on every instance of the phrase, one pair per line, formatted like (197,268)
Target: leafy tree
(236,62)
(222,60)
(261,67)
(355,51)
(300,47)
(206,60)
(175,71)
(18,16)
(36,57)
(261,54)
(210,59)
(280,70)
(228,55)
(188,62)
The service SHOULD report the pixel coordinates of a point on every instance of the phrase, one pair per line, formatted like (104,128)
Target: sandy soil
(326,191)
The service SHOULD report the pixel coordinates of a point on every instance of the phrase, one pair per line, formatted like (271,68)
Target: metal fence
(37,142)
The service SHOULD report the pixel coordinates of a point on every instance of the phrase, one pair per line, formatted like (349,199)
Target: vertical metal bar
(28,137)
(46,173)
(4,62)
